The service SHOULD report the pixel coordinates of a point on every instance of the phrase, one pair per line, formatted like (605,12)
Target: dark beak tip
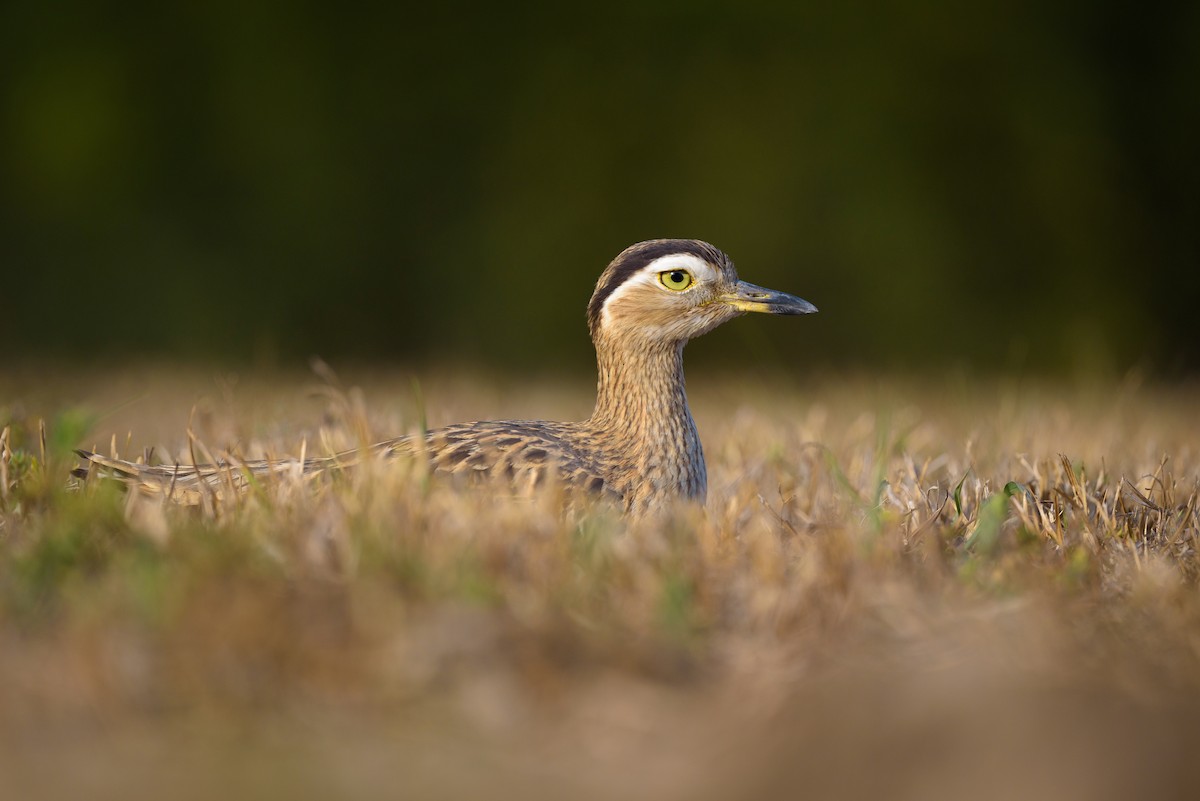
(803,307)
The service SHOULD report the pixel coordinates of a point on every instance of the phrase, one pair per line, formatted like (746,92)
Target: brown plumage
(640,446)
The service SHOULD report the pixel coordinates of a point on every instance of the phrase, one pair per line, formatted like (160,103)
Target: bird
(640,446)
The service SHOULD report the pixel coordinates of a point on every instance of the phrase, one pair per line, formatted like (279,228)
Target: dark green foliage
(988,182)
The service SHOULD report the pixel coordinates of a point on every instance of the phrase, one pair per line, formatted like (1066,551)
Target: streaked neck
(642,408)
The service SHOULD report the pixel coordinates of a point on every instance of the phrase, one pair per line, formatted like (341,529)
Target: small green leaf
(991,519)
(957,495)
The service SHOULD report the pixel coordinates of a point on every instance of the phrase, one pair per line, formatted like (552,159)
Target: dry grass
(895,591)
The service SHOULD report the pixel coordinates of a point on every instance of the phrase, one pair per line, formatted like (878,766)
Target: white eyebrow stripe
(698,267)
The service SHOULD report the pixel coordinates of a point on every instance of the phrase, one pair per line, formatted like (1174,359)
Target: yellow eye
(677,280)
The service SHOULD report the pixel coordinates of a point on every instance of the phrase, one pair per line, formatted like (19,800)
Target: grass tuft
(845,588)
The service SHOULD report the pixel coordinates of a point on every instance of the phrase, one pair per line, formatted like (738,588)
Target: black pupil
(677,277)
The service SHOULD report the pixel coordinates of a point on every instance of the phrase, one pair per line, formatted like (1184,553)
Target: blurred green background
(998,185)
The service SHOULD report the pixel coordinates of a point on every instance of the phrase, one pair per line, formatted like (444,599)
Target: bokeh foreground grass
(896,590)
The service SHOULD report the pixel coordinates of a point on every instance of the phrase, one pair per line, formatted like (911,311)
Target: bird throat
(643,419)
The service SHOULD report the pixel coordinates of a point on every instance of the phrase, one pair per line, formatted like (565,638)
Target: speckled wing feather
(519,454)
(192,485)
(512,455)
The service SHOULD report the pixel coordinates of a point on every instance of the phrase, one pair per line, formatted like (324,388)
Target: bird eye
(677,280)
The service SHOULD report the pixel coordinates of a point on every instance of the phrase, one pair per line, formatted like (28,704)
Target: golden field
(901,589)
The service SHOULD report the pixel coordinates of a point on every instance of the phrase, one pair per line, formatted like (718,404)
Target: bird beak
(750,298)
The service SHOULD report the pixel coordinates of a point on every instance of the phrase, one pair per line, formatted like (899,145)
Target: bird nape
(640,446)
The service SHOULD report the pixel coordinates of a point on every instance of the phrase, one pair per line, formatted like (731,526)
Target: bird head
(673,290)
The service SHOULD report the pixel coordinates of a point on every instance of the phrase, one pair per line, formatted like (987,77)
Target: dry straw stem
(982,589)
(5,456)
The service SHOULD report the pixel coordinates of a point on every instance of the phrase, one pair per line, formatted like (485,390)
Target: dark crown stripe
(635,257)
